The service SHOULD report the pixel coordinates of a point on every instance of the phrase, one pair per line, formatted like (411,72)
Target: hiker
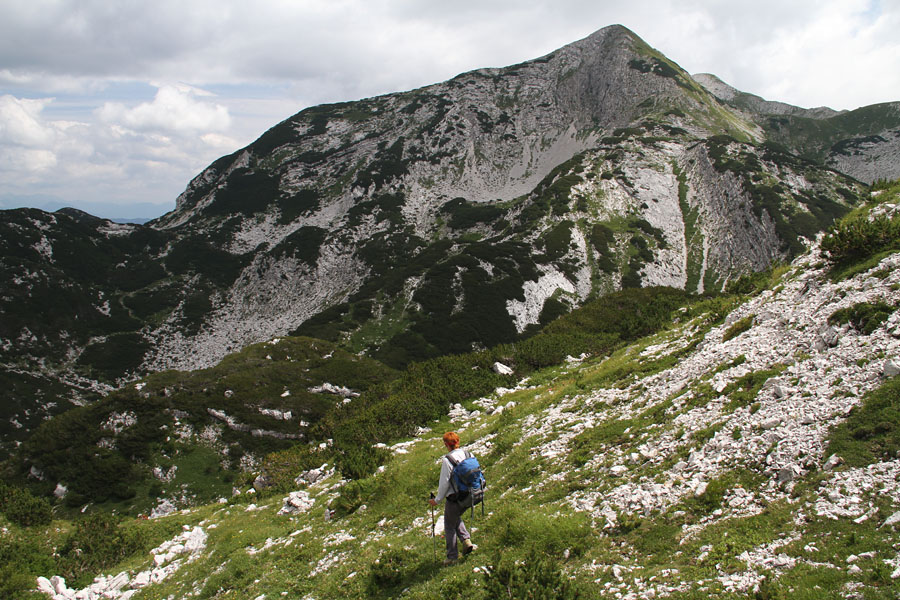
(453,523)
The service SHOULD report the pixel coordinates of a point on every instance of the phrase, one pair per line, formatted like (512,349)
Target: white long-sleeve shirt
(444,487)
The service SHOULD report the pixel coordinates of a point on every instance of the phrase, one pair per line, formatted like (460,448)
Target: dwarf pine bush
(865,317)
(22,508)
(858,237)
(96,544)
(537,578)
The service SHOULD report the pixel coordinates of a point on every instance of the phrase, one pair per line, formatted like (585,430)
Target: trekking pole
(433,539)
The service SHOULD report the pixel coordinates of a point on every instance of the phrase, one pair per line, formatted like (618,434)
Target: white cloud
(174,109)
(20,123)
(27,161)
(123,154)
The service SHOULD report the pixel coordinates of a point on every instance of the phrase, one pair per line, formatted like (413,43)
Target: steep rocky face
(485,135)
(328,206)
(457,216)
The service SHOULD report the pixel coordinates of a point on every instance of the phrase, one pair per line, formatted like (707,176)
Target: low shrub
(22,508)
(353,495)
(548,349)
(281,468)
(547,535)
(96,544)
(535,578)
(389,570)
(22,560)
(738,328)
(358,462)
(753,283)
(865,317)
(859,237)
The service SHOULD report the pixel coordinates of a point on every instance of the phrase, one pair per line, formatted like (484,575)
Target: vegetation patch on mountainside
(815,138)
(177,433)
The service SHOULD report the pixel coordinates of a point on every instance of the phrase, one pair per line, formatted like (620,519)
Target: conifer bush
(865,317)
(22,560)
(858,237)
(535,578)
(22,508)
(96,544)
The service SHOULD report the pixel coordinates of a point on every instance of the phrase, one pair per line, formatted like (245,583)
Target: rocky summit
(439,220)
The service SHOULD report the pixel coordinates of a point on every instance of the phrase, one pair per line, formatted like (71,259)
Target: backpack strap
(453,462)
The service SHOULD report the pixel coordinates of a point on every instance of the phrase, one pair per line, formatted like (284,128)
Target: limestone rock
(832,463)
(502,369)
(296,502)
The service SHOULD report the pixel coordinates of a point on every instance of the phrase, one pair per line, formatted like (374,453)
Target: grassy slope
(814,138)
(379,544)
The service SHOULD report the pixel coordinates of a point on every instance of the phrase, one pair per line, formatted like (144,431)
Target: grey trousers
(453,528)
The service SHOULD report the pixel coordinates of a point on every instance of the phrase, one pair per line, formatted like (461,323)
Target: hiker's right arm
(444,484)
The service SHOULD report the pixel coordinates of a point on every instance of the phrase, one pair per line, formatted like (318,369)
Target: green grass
(872,431)
(738,328)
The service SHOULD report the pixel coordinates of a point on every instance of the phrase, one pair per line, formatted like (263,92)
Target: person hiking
(453,523)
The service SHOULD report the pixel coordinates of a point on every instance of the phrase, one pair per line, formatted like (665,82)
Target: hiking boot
(449,562)
(468,547)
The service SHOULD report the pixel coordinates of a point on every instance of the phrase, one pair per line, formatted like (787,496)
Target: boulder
(195,541)
(141,579)
(296,502)
(828,337)
(770,423)
(59,584)
(45,587)
(165,507)
(892,520)
(833,461)
(788,474)
(892,367)
(262,481)
(502,369)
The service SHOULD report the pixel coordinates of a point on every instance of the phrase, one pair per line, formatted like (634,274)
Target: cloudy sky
(112,107)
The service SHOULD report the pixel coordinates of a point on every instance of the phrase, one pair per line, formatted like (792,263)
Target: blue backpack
(467,481)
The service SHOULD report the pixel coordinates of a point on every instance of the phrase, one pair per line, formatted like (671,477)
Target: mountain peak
(455,216)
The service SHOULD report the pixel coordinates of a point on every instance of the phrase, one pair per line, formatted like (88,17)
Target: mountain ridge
(526,190)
